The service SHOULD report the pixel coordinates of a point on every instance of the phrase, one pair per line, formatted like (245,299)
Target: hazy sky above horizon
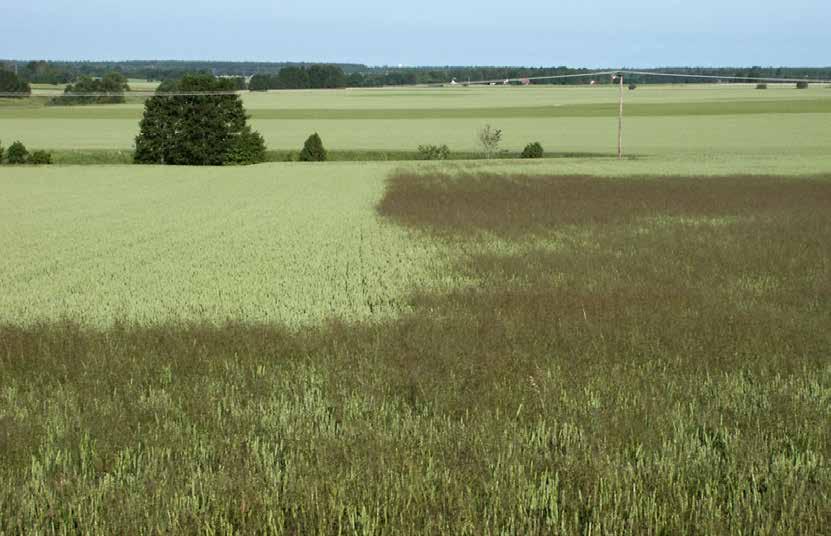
(603,33)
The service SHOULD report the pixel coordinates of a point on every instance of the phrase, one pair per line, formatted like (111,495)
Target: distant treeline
(63,72)
(730,74)
(285,75)
(295,77)
(11,83)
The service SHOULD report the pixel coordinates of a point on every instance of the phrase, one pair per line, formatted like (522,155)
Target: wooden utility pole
(620,120)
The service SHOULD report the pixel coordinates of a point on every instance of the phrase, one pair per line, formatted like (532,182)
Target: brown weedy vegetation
(636,355)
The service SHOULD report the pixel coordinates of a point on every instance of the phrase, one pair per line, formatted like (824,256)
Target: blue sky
(600,33)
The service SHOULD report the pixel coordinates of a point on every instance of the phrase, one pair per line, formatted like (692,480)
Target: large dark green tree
(197,129)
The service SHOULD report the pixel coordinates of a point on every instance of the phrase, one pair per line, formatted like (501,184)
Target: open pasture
(659,119)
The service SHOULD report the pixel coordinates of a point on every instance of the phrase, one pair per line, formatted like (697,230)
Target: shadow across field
(623,355)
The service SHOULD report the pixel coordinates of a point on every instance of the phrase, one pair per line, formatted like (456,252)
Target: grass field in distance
(664,119)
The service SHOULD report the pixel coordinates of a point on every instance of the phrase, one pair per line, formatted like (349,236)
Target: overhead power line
(745,78)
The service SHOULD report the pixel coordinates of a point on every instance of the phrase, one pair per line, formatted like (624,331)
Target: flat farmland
(659,119)
(149,245)
(559,346)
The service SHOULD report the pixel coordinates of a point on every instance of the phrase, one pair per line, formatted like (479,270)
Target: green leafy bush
(433,152)
(533,150)
(313,150)
(761,86)
(1,153)
(248,147)
(40,158)
(17,153)
(632,87)
(801,85)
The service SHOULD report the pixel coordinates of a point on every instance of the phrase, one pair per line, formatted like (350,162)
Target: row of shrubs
(18,154)
(442,152)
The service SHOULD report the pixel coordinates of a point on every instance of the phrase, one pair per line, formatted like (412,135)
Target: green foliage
(802,85)
(111,87)
(260,82)
(299,77)
(313,150)
(434,152)
(532,150)
(326,76)
(632,87)
(761,86)
(238,82)
(292,78)
(247,147)
(197,130)
(40,158)
(2,151)
(17,153)
(489,139)
(10,83)
(44,72)
(168,86)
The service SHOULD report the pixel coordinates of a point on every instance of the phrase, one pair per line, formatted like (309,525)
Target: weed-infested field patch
(632,355)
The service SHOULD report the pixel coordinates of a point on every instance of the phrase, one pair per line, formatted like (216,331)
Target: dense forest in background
(287,75)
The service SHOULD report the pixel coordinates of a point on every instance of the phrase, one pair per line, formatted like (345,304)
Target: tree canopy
(114,84)
(200,130)
(11,83)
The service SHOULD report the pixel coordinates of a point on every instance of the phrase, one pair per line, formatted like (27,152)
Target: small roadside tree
(313,150)
(200,129)
(489,139)
(17,153)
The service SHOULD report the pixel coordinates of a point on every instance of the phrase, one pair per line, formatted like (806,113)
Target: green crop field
(660,119)
(560,346)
